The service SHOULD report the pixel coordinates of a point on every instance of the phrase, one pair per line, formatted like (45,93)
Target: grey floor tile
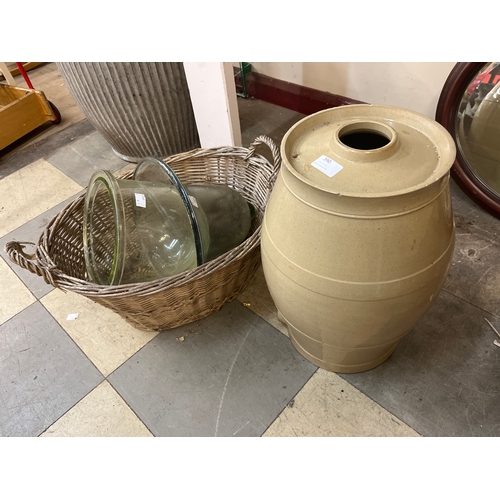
(443,379)
(42,373)
(12,158)
(475,271)
(231,376)
(259,117)
(31,232)
(80,159)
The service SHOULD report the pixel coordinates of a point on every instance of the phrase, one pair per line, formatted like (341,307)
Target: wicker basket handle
(14,250)
(264,139)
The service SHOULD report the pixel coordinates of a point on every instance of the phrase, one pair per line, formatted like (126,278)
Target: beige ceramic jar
(358,234)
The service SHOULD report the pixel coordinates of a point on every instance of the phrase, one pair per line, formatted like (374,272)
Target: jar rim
(419,153)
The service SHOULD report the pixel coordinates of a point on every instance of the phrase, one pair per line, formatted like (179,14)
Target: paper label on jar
(327,165)
(140,200)
(193,201)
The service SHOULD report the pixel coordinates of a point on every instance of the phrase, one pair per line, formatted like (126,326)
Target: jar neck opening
(363,140)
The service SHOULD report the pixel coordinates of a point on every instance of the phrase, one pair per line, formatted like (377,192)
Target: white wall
(411,85)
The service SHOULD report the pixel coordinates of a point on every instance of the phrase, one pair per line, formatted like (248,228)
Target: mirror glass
(477,126)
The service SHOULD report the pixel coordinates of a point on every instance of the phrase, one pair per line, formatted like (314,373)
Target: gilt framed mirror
(469,108)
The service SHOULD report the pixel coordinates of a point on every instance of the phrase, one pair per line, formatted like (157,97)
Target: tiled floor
(235,373)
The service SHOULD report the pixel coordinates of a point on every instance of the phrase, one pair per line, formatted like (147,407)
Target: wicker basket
(169,302)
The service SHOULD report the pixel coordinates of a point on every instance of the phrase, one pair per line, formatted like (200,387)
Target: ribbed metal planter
(140,108)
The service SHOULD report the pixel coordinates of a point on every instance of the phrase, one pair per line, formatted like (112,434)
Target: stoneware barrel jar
(358,234)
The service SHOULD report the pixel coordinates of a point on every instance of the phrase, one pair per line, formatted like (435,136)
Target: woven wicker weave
(170,302)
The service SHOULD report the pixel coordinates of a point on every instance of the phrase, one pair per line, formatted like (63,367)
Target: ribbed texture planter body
(140,108)
(354,260)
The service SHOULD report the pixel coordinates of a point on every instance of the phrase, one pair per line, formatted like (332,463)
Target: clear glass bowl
(151,227)
(136,231)
(228,214)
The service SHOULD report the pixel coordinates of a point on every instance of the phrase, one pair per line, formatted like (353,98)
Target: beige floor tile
(329,406)
(104,336)
(102,413)
(31,191)
(15,296)
(258,299)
